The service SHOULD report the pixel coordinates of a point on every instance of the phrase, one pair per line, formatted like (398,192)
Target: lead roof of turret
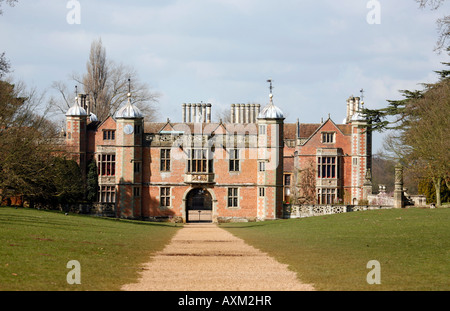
(129,111)
(271,111)
(76,110)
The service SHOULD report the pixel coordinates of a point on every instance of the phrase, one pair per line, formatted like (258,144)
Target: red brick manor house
(197,169)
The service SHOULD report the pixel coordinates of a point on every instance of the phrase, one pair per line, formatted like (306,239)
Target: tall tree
(107,84)
(29,149)
(96,78)
(427,133)
(421,121)
(67,183)
(92,182)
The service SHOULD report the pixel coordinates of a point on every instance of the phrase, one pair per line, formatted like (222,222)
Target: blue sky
(318,53)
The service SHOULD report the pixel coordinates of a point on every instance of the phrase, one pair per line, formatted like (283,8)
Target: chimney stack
(352,107)
(348,110)
(203,115)
(238,113)
(208,113)
(247,113)
(244,113)
(357,101)
(196,113)
(193,113)
(233,113)
(252,113)
(199,113)
(184,113)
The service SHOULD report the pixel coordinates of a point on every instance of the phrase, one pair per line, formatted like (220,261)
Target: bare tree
(443,23)
(434,4)
(303,188)
(95,79)
(10,2)
(66,100)
(395,147)
(223,115)
(107,84)
(4,65)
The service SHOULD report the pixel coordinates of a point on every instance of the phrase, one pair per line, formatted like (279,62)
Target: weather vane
(129,85)
(362,94)
(271,87)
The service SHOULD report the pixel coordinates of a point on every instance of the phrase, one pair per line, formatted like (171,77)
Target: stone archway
(199,206)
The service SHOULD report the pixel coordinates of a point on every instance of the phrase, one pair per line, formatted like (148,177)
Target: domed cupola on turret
(271,111)
(129,111)
(270,160)
(76,121)
(93,118)
(129,137)
(76,110)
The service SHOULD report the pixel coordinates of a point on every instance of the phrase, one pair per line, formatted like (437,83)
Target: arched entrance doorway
(199,206)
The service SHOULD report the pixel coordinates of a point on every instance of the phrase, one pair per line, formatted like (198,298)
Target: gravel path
(204,257)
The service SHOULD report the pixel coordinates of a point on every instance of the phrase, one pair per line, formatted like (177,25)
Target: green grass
(332,252)
(35,247)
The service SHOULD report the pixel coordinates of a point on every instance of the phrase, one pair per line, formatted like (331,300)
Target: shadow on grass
(139,222)
(33,221)
(14,216)
(243,225)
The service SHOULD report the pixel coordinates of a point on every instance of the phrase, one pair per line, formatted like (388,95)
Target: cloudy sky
(317,53)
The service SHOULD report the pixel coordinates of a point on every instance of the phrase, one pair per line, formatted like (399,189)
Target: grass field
(332,252)
(35,247)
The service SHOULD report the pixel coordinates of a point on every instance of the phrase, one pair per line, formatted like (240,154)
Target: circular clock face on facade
(128,129)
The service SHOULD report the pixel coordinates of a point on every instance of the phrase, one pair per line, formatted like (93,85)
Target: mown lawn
(35,247)
(332,252)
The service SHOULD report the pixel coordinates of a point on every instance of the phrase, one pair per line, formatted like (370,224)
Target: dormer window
(328,137)
(109,135)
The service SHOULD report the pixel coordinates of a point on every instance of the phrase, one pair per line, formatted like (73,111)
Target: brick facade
(219,171)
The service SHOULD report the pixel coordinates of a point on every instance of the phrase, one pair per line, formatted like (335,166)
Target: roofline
(329,119)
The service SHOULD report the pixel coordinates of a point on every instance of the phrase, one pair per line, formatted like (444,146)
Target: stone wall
(380,199)
(302,211)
